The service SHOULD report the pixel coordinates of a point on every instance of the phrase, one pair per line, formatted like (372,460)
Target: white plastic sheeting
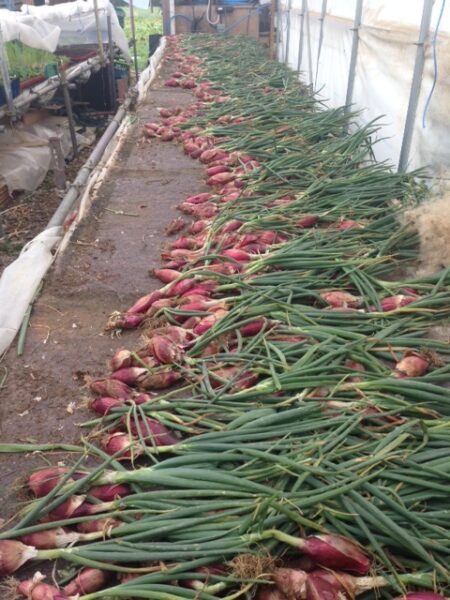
(20,281)
(25,153)
(140,3)
(149,73)
(24,159)
(77,22)
(62,25)
(387,50)
(29,29)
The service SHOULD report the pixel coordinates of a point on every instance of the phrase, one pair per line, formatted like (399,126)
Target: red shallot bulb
(87,581)
(413,364)
(336,552)
(340,299)
(13,554)
(50,538)
(42,482)
(36,590)
(102,406)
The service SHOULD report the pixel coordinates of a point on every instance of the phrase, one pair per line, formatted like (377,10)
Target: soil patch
(27,214)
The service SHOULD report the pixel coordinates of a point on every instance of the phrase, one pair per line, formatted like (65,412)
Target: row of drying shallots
(281,429)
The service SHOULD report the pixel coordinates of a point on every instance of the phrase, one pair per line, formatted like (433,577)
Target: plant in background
(26,62)
(146,23)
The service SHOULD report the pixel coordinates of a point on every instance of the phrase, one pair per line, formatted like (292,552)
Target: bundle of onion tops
(281,432)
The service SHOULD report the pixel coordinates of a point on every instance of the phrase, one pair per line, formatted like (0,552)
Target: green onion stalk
(283,426)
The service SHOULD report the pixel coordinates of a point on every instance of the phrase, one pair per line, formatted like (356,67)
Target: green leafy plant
(146,23)
(26,62)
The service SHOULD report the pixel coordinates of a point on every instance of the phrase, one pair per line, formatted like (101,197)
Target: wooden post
(165,16)
(68,105)
(57,163)
(112,78)
(133,33)
(99,33)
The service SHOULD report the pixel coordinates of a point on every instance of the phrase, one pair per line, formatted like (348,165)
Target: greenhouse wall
(386,57)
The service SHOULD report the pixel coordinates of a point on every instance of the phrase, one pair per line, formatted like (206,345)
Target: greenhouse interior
(224,300)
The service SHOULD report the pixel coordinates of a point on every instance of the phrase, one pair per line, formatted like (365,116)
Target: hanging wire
(209,18)
(435,64)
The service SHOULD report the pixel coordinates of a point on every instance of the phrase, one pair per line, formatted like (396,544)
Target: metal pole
(112,79)
(288,31)
(300,41)
(278,30)
(415,85)
(353,56)
(308,36)
(133,33)
(99,33)
(68,104)
(4,69)
(319,48)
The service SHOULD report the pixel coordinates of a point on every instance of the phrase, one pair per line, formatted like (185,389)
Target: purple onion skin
(336,552)
(155,433)
(320,589)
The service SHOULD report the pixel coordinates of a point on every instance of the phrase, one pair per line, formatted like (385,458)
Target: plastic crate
(121,71)
(15,90)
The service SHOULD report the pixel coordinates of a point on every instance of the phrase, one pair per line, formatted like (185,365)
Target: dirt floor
(105,268)
(26,214)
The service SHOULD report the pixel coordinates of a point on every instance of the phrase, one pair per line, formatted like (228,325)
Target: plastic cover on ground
(387,49)
(25,153)
(77,22)
(21,280)
(148,74)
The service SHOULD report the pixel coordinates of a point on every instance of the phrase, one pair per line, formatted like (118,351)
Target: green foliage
(26,62)
(146,23)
